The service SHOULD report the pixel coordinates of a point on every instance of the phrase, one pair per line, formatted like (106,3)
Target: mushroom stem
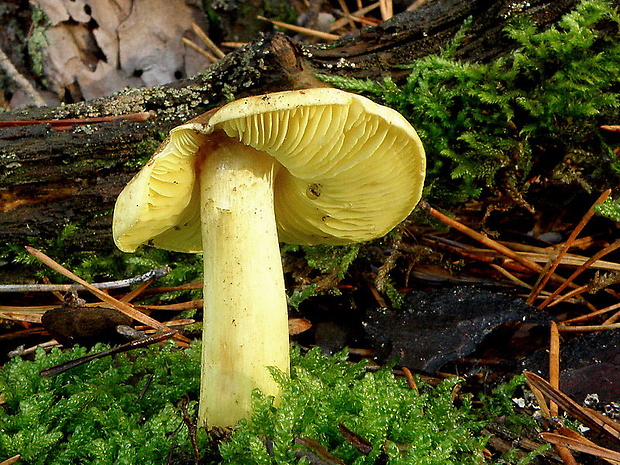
(245,314)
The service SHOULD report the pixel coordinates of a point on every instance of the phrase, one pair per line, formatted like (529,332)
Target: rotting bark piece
(443,325)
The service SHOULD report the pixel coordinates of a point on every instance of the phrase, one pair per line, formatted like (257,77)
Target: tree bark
(51,178)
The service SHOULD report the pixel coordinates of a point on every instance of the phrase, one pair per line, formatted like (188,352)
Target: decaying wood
(51,178)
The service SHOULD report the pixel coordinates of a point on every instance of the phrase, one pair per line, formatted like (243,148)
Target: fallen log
(54,174)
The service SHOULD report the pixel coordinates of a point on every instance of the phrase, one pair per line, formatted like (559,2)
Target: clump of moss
(141,408)
(533,113)
(111,410)
(330,406)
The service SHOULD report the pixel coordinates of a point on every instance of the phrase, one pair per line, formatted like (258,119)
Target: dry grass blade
(387,10)
(411,380)
(540,398)
(587,328)
(192,304)
(233,44)
(356,16)
(346,12)
(612,319)
(298,325)
(301,30)
(207,41)
(554,380)
(120,306)
(591,315)
(572,260)
(602,424)
(581,446)
(415,5)
(575,293)
(212,58)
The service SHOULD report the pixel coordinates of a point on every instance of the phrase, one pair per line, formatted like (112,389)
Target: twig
(66,124)
(149,275)
(138,343)
(20,80)
(22,350)
(120,306)
(300,29)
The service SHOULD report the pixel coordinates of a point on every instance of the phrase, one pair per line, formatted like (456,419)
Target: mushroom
(303,167)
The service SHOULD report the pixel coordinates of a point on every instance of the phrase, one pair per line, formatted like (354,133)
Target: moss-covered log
(51,178)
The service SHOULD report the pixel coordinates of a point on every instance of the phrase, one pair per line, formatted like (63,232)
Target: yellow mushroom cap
(349,170)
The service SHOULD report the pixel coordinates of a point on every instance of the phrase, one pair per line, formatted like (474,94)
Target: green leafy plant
(534,112)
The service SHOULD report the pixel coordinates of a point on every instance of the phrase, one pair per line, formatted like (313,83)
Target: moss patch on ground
(141,408)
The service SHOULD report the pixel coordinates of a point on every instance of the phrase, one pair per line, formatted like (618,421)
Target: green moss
(37,40)
(331,263)
(280,10)
(112,410)
(135,408)
(106,265)
(144,150)
(610,209)
(400,425)
(536,112)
